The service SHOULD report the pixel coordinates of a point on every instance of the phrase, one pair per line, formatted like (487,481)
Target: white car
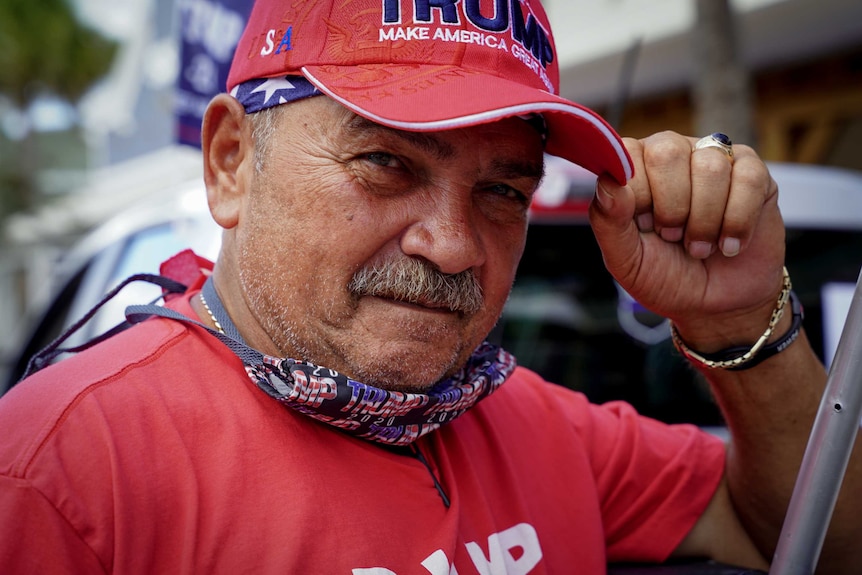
(565,318)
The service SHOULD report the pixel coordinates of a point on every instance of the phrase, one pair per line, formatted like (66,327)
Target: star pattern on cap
(262,93)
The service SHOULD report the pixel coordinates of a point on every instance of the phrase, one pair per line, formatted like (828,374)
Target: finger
(612,220)
(751,188)
(710,187)
(667,168)
(639,184)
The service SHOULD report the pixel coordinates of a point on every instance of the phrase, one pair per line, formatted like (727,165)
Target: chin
(405,382)
(394,373)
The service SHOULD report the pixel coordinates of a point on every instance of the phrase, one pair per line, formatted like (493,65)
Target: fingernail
(645,222)
(730,247)
(700,250)
(671,234)
(605,199)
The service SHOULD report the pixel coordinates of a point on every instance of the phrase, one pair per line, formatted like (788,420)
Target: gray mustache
(416,281)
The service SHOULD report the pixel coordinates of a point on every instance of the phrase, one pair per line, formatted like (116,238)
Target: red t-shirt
(154,453)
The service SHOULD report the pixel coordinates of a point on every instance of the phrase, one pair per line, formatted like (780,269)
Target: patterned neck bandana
(372,413)
(390,417)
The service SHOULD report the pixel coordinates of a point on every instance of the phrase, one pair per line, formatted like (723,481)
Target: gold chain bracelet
(742,357)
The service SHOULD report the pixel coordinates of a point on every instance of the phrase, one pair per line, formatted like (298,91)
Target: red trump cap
(428,65)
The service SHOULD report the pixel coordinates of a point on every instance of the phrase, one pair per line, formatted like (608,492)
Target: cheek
(298,201)
(312,228)
(504,253)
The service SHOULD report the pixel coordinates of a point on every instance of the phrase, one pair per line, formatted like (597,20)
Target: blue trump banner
(209,32)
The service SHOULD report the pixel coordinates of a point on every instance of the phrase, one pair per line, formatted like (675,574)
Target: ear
(228,154)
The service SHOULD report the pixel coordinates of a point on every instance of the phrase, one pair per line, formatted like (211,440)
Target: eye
(509,192)
(502,203)
(383,159)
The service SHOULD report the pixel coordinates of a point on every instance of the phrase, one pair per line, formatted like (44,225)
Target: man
(372,171)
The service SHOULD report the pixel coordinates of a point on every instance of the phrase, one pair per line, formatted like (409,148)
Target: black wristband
(766,351)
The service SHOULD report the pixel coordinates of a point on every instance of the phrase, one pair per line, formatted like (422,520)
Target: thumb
(612,219)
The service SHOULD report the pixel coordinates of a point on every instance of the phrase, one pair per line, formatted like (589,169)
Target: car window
(142,252)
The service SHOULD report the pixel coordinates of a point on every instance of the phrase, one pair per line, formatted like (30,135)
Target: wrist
(783,328)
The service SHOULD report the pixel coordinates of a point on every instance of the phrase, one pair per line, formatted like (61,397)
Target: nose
(444,230)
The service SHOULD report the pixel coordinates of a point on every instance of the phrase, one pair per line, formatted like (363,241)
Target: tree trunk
(721,89)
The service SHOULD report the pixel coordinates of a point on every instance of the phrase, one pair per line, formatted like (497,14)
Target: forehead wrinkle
(426,142)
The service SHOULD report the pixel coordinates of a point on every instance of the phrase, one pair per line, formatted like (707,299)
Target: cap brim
(429,98)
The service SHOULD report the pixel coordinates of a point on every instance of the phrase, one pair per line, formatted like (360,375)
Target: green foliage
(44,49)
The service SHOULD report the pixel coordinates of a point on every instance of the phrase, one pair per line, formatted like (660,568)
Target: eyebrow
(428,142)
(514,169)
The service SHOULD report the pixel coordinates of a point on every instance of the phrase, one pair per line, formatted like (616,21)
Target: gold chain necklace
(210,312)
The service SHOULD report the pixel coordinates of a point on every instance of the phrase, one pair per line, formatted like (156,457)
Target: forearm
(700,240)
(769,410)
